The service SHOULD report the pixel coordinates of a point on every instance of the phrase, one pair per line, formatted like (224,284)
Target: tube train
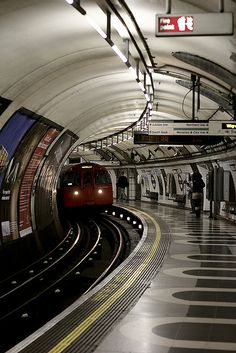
(86,184)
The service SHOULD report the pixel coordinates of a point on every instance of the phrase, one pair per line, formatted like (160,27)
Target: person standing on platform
(197,192)
(121,185)
(190,192)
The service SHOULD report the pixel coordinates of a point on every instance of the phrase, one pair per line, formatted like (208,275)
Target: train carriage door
(88,187)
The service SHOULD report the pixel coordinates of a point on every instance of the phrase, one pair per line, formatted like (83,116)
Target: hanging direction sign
(191,128)
(200,24)
(222,128)
(168,127)
(186,132)
(141,137)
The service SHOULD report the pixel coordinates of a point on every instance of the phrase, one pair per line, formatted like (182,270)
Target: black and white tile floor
(190,306)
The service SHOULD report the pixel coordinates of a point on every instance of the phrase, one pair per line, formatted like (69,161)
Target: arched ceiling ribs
(124,154)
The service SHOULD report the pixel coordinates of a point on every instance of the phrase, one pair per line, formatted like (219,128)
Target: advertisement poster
(10,137)
(27,181)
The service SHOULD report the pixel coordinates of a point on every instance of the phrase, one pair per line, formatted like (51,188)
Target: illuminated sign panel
(222,128)
(198,24)
(168,127)
(145,138)
(228,126)
(176,24)
(185,132)
(191,128)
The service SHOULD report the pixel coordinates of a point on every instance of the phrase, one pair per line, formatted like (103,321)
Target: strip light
(76,4)
(141,86)
(119,53)
(147,97)
(133,72)
(95,26)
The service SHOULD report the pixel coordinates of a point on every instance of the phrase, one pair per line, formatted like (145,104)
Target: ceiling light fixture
(141,85)
(95,26)
(133,72)
(124,57)
(76,5)
(119,53)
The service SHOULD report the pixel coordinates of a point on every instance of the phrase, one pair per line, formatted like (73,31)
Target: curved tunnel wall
(32,150)
(168,186)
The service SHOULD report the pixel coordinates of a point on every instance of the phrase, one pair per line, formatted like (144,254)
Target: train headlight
(100,191)
(76,193)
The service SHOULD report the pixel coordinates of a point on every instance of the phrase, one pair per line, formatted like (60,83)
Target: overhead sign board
(168,127)
(222,128)
(144,138)
(199,24)
(185,132)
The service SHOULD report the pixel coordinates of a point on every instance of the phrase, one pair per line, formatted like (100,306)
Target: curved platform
(188,304)
(82,326)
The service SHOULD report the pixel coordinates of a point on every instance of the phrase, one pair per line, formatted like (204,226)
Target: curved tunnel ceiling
(54,63)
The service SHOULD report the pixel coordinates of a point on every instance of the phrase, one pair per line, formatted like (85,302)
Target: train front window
(88,178)
(71,179)
(102,177)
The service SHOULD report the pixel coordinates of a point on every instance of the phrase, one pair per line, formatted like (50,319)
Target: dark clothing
(122,182)
(197,192)
(198,185)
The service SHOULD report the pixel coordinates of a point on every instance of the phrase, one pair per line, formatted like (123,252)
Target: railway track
(91,249)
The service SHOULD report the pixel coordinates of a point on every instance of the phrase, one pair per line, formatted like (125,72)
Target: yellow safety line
(73,335)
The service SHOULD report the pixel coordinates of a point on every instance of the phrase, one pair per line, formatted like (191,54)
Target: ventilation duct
(217,98)
(208,66)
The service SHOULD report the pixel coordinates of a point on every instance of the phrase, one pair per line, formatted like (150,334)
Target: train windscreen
(102,177)
(88,178)
(71,179)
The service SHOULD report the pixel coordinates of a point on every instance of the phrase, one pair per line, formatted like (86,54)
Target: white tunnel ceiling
(54,63)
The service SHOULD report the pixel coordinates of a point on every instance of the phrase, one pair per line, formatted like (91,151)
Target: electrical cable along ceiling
(97,68)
